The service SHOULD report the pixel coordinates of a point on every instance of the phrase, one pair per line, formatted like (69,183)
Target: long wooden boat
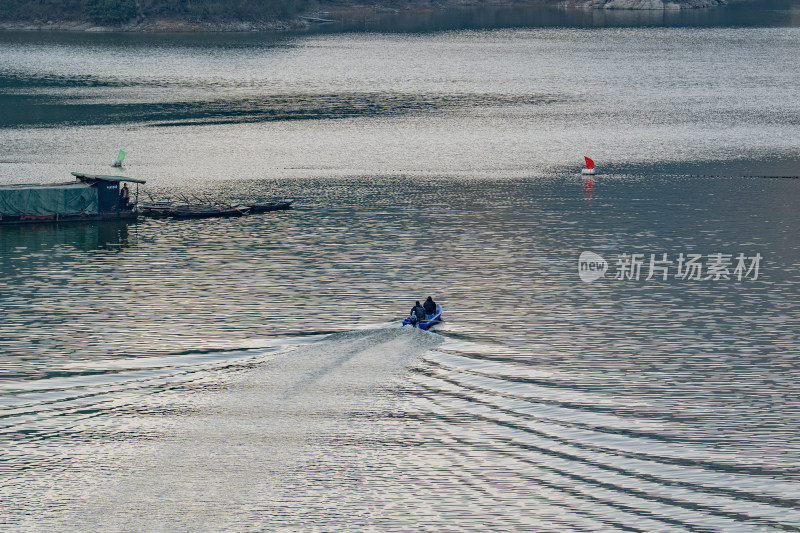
(167,208)
(273,206)
(156,209)
(89,197)
(206,211)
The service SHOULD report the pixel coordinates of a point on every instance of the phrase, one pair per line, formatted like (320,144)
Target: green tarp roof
(83,176)
(58,199)
(43,185)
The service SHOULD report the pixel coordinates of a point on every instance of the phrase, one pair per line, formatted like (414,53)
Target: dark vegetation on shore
(243,15)
(126,11)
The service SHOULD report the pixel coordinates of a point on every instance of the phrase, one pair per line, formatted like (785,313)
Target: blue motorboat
(430,320)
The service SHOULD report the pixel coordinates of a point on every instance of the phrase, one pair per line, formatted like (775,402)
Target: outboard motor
(414,319)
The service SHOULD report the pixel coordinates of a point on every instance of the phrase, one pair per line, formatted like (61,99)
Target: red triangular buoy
(589,163)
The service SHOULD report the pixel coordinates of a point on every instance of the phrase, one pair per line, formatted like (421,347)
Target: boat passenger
(430,306)
(419,311)
(124,197)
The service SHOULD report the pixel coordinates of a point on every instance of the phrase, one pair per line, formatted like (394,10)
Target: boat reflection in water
(83,236)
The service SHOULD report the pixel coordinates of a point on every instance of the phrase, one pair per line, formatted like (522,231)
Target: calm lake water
(250,374)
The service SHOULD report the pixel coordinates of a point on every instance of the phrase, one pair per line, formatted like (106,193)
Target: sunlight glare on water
(250,373)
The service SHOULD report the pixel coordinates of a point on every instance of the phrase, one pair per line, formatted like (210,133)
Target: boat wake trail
(202,442)
(572,463)
(392,429)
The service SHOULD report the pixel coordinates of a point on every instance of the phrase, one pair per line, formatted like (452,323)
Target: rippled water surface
(250,373)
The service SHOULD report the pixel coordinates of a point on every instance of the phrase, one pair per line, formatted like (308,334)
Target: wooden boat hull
(38,219)
(274,206)
(205,213)
(168,209)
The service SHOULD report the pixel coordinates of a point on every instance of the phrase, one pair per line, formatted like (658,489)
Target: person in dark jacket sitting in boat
(418,311)
(430,306)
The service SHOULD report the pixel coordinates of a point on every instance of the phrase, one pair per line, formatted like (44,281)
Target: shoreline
(318,17)
(155,26)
